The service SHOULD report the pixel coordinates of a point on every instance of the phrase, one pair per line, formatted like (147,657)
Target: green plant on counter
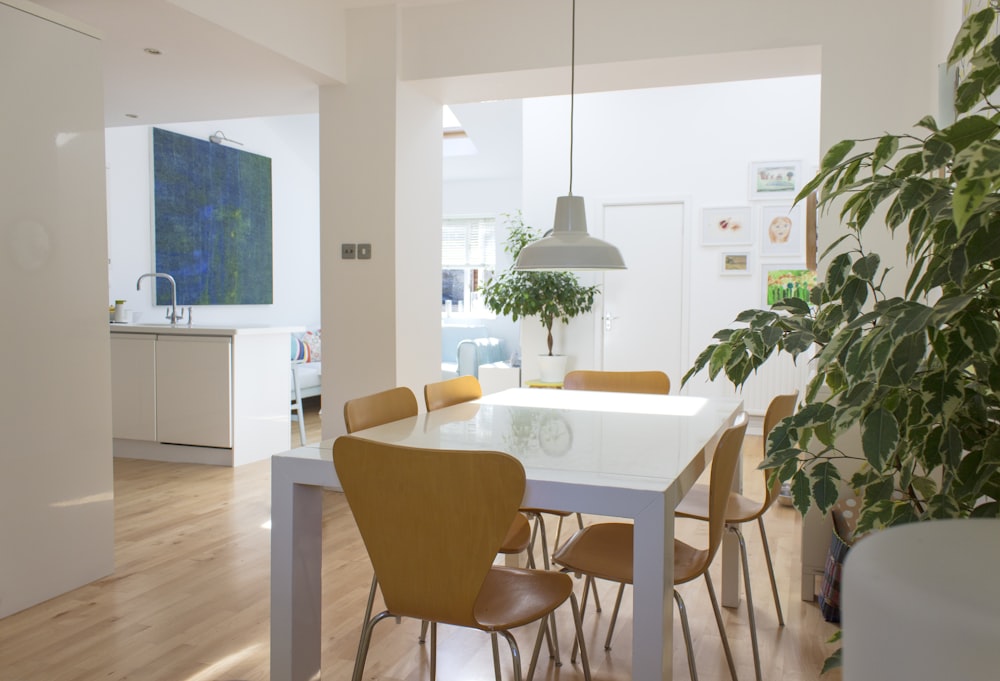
(547,295)
(917,373)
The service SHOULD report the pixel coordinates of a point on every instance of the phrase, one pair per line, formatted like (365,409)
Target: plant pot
(551,368)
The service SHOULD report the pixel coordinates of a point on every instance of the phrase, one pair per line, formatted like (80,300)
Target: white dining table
(611,454)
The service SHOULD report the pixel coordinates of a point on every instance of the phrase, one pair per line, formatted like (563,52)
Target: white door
(642,305)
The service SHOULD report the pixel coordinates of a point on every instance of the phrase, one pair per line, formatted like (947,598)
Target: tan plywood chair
(646,382)
(740,510)
(604,550)
(651,382)
(432,522)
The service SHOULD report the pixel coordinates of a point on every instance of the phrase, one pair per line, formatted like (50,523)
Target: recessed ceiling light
(152,50)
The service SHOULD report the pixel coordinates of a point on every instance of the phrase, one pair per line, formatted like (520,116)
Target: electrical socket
(364,251)
(348,251)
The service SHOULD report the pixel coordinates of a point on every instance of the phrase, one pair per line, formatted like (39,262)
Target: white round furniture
(921,602)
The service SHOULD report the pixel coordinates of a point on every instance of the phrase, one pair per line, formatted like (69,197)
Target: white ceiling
(205,72)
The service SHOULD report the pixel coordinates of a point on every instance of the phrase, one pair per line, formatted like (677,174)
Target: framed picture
(782,231)
(782,281)
(726,226)
(774,179)
(735,263)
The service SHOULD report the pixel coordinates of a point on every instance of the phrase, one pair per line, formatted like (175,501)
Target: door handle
(608,317)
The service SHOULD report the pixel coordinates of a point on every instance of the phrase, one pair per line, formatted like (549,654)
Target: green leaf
(937,152)
(801,497)
(866,267)
(927,122)
(885,149)
(854,295)
(975,28)
(825,488)
(879,437)
(836,154)
(720,357)
(967,130)
(969,195)
(979,332)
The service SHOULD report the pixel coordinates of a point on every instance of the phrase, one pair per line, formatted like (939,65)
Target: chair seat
(513,597)
(604,550)
(739,509)
(518,536)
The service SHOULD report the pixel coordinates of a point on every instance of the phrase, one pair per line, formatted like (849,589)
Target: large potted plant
(917,374)
(546,295)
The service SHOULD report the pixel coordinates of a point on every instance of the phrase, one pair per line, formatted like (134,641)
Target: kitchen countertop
(166,329)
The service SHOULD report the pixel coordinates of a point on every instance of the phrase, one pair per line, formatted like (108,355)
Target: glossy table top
(607,439)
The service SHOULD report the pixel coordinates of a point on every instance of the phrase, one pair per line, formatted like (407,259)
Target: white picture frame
(733,264)
(727,226)
(782,231)
(775,179)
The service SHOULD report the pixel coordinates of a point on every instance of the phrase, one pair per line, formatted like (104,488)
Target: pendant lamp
(570,247)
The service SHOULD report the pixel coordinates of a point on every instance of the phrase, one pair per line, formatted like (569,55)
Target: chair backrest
(727,454)
(653,382)
(383,407)
(780,407)
(453,391)
(431,520)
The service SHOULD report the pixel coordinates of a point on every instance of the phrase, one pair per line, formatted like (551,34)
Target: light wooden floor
(188,600)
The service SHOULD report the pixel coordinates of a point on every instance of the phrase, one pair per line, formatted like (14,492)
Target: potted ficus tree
(550,296)
(917,374)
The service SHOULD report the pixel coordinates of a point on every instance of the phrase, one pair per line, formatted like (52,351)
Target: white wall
(695,142)
(292,144)
(56,486)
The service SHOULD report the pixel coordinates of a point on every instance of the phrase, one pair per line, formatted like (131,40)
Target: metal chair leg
(750,609)
(614,616)
(685,627)
(434,650)
(366,638)
(496,656)
(515,653)
(770,571)
(718,622)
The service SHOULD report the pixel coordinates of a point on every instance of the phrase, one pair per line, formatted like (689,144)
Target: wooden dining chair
(459,390)
(646,382)
(740,510)
(375,410)
(604,550)
(432,522)
(650,382)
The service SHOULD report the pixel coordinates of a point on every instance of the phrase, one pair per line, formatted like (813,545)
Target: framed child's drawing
(726,226)
(774,179)
(782,231)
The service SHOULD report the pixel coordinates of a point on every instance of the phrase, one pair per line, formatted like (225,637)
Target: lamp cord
(572,90)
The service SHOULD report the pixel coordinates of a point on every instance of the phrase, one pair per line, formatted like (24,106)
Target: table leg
(652,600)
(296,567)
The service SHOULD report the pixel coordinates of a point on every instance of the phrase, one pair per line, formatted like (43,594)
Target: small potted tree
(547,295)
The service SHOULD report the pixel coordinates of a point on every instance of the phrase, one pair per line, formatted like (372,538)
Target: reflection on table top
(608,439)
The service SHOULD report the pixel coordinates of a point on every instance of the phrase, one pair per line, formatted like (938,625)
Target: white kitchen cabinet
(200,394)
(194,404)
(133,386)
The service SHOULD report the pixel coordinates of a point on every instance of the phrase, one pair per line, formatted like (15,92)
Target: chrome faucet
(173,315)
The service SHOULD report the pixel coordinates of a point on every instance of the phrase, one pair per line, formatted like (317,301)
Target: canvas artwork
(774,179)
(782,231)
(786,281)
(726,226)
(212,223)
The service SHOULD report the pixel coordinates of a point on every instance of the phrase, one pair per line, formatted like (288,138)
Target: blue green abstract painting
(212,224)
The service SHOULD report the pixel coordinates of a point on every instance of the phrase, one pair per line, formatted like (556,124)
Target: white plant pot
(551,368)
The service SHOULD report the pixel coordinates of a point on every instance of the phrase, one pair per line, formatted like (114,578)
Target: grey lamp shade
(569,248)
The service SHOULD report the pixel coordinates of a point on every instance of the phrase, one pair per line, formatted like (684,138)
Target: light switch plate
(348,251)
(364,251)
